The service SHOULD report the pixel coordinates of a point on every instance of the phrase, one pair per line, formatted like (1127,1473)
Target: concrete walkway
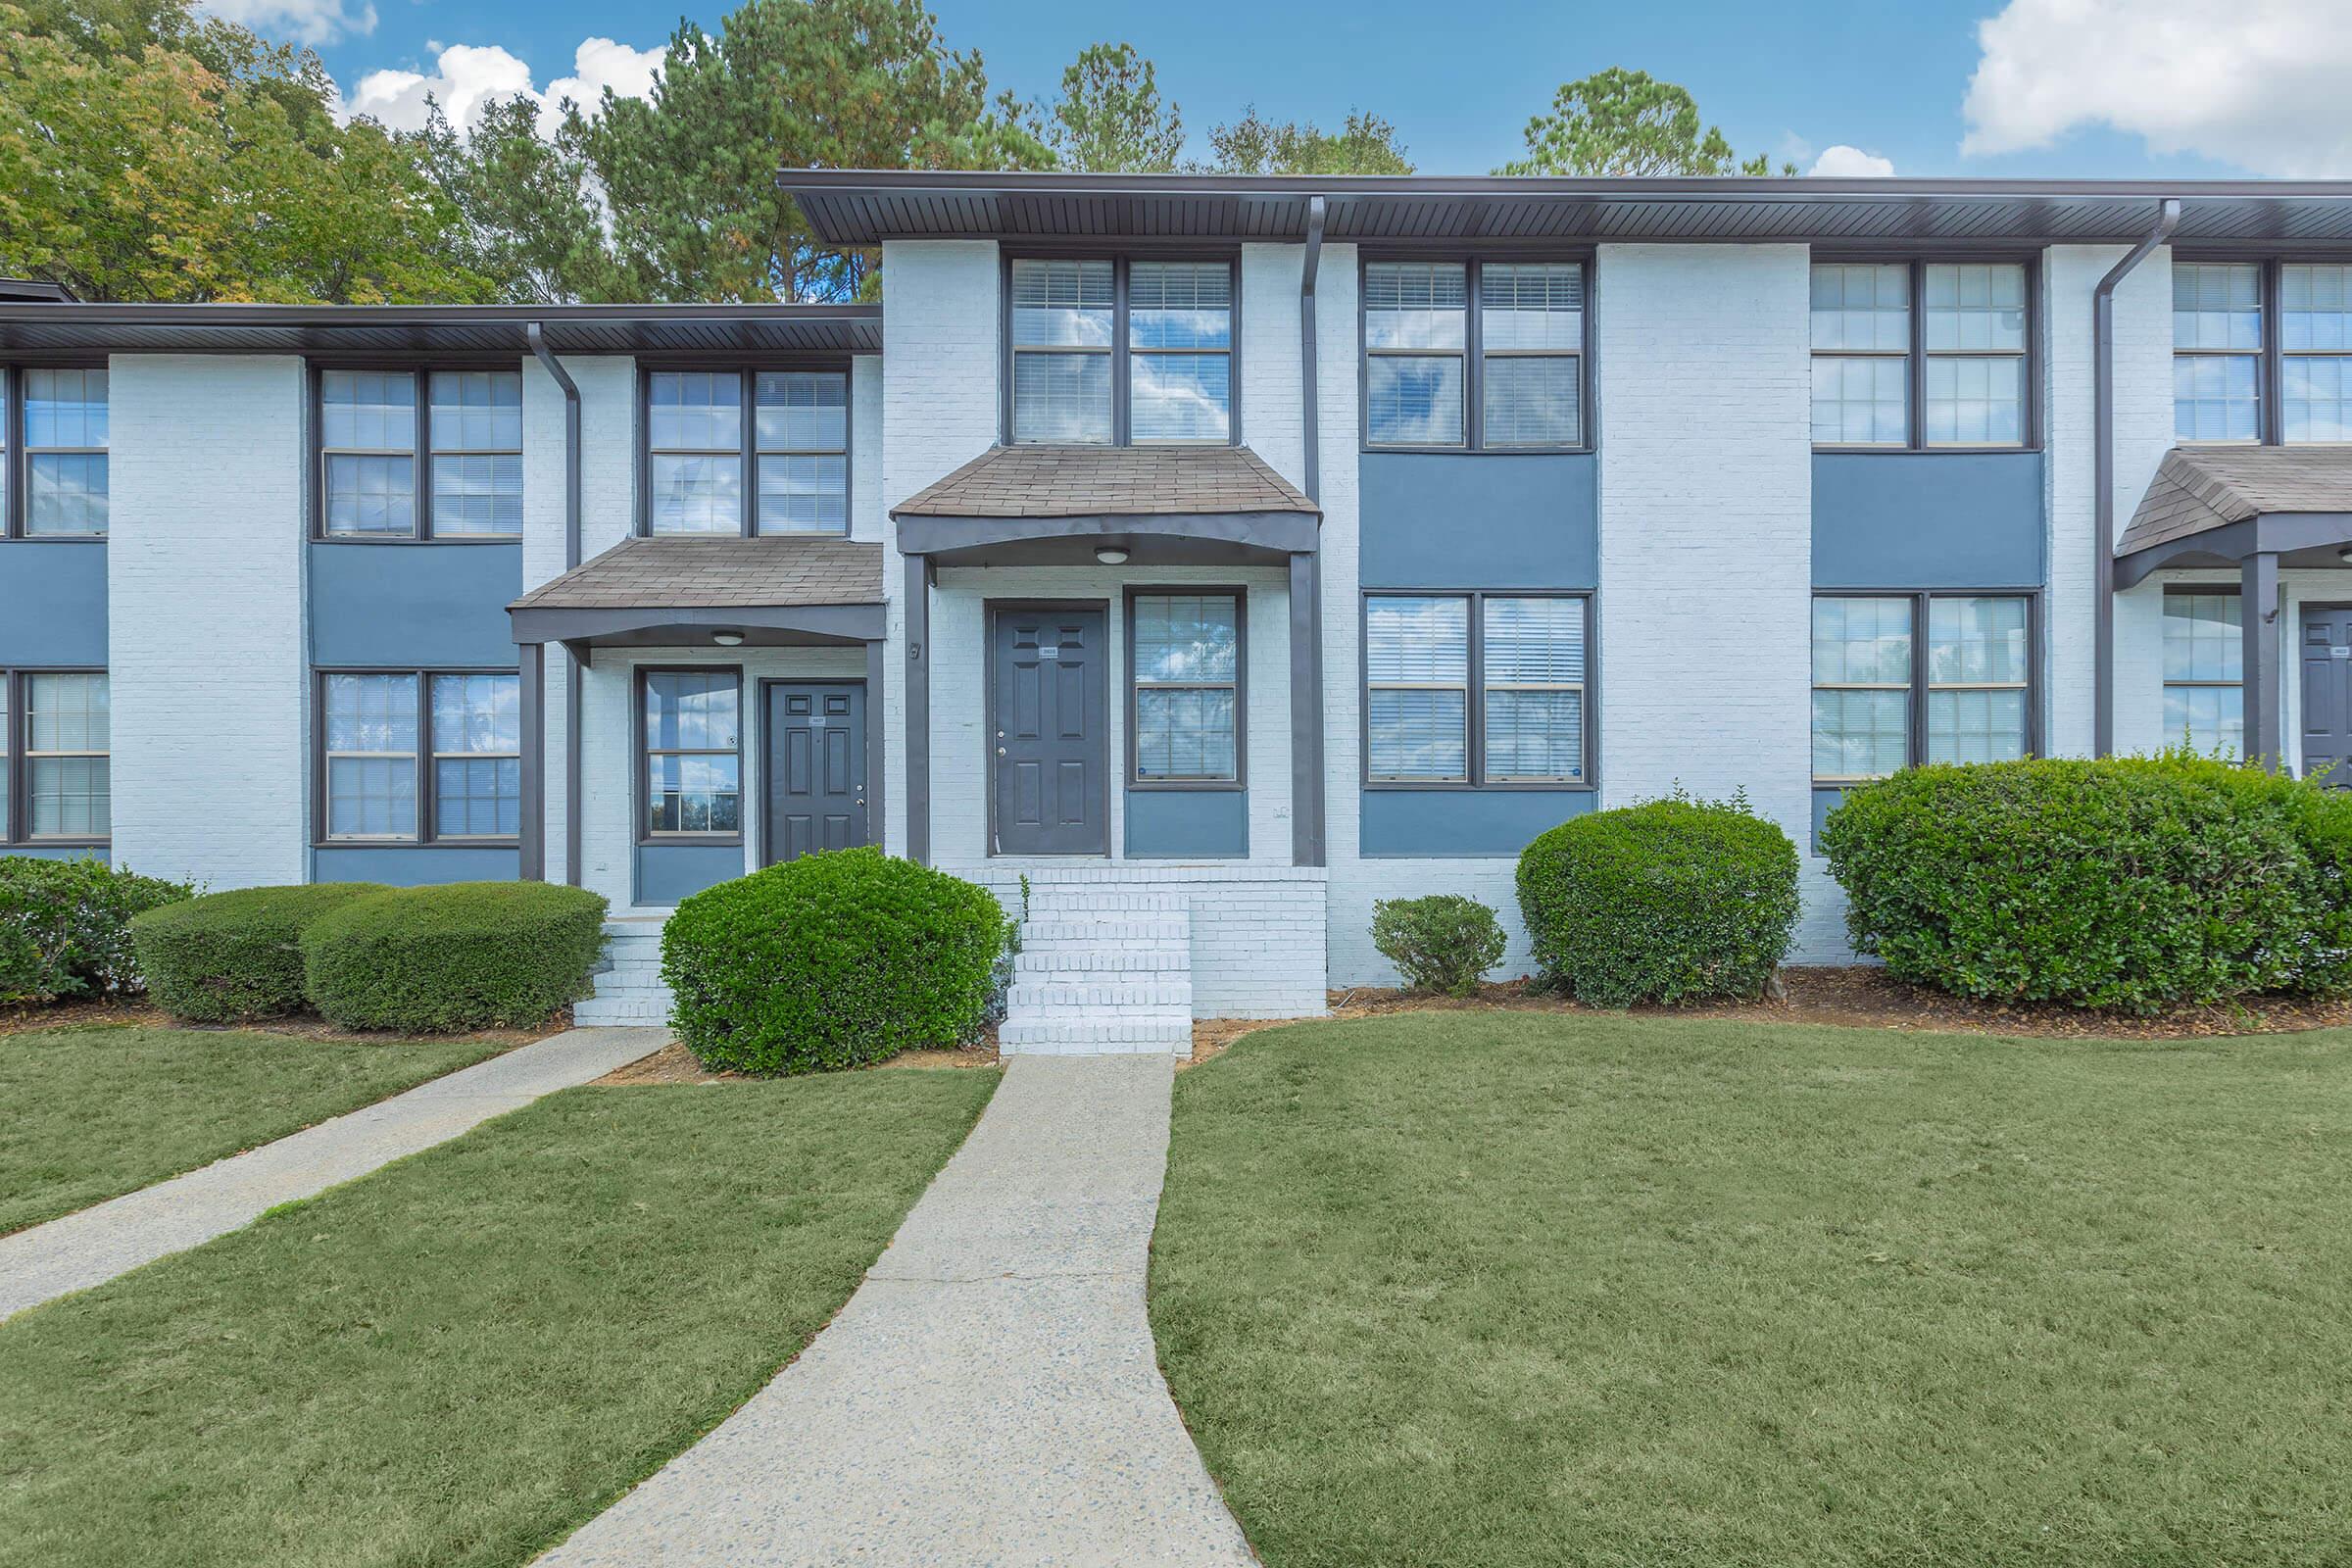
(990,1397)
(115,1236)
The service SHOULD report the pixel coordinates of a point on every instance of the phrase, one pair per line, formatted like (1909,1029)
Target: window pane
(1861,642)
(2315,309)
(70,493)
(69,490)
(1975,402)
(477,713)
(1414,400)
(368,410)
(476,493)
(1977,641)
(367,494)
(802,410)
(67,713)
(1183,732)
(1975,306)
(2206,718)
(2314,401)
(695,794)
(1860,401)
(1535,734)
(71,796)
(691,711)
(1862,306)
(1180,305)
(1533,640)
(1976,726)
(65,408)
(696,410)
(1181,397)
(2203,638)
(477,797)
(1419,640)
(371,796)
(2215,397)
(476,411)
(1417,734)
(697,495)
(1187,637)
(2216,305)
(1532,305)
(1533,401)
(803,491)
(1061,304)
(371,714)
(1062,398)
(1860,734)
(1416,305)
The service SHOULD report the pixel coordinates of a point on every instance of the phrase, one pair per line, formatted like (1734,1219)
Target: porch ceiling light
(1111,555)
(727,639)
(2345,554)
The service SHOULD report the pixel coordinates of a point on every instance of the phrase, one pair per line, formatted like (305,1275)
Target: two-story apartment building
(1218,554)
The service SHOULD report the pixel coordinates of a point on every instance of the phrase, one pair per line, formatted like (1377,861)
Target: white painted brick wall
(204,592)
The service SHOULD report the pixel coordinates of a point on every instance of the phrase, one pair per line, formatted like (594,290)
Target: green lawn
(93,1114)
(460,1358)
(1502,1290)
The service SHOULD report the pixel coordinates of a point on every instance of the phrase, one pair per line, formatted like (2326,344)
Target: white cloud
(307,21)
(2259,83)
(1842,162)
(464,78)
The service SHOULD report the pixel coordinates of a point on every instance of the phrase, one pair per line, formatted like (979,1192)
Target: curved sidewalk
(92,1247)
(990,1397)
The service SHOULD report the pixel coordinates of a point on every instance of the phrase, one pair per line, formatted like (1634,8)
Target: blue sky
(2076,87)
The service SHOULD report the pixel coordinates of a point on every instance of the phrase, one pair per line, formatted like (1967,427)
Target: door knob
(1000,750)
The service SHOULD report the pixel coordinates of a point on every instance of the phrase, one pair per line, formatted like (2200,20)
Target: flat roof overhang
(2299,539)
(439,330)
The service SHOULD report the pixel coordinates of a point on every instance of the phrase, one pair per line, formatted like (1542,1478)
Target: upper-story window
(372,446)
(1922,353)
(53,449)
(747,452)
(1506,377)
(2234,378)
(1125,352)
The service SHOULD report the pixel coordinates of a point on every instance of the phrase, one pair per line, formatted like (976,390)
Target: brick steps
(1103,970)
(628,983)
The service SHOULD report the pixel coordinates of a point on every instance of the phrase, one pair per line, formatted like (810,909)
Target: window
(1885,698)
(372,443)
(2315,391)
(1508,377)
(477,431)
(1185,653)
(2204,671)
(1417,337)
(747,452)
(1950,339)
(2217,351)
(63,791)
(1106,352)
(367,432)
(65,451)
(1527,664)
(1531,353)
(693,753)
(378,740)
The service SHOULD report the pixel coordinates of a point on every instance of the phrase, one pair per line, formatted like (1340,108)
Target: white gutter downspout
(2102,309)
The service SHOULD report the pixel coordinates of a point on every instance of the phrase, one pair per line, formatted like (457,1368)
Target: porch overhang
(652,593)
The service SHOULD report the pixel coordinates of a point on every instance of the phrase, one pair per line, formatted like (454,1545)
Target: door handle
(1000,750)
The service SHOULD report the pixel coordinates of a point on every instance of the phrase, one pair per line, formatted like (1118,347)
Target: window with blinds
(1185,659)
(1064,320)
(2217,351)
(1526,664)
(1179,351)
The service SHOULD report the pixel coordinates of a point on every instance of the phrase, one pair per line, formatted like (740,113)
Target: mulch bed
(84,1013)
(673,1063)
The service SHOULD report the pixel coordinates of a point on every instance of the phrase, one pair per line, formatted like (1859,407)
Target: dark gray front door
(815,767)
(2328,693)
(1050,675)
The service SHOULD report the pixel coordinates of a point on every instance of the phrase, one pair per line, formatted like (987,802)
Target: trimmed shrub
(231,956)
(830,960)
(1444,942)
(1670,901)
(65,926)
(2134,883)
(461,955)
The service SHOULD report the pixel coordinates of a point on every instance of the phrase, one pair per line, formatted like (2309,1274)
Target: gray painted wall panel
(1447,823)
(668,872)
(1825,801)
(413,865)
(1477,520)
(414,604)
(53,602)
(1188,825)
(55,852)
(1927,519)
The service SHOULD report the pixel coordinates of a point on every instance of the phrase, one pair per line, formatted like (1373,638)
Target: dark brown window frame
(747,453)
(15,467)
(15,831)
(1474,353)
(1915,741)
(1121,352)
(642,757)
(420,455)
(1474,757)
(1915,378)
(1240,685)
(427,795)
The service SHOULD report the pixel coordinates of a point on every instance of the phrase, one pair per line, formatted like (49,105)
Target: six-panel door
(815,767)
(1047,726)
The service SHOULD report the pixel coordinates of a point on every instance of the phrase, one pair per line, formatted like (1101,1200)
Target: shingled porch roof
(2215,506)
(645,592)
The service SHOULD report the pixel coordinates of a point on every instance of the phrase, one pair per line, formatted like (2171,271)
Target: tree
(1109,119)
(525,204)
(1252,145)
(1628,122)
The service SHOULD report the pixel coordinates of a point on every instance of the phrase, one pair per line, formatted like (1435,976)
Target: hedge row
(65,927)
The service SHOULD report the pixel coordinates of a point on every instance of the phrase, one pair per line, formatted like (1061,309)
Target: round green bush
(2132,883)
(1671,901)
(65,926)
(830,960)
(463,956)
(1442,943)
(233,956)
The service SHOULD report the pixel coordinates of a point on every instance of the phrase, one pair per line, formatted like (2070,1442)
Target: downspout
(1306,581)
(2102,314)
(572,557)
(1309,436)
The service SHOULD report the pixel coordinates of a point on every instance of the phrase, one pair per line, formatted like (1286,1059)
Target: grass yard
(94,1114)
(463,1357)
(1505,1290)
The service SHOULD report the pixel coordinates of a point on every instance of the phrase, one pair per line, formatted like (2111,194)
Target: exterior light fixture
(2345,555)
(727,639)
(1111,555)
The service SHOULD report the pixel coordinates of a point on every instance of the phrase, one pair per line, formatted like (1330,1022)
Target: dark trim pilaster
(877,822)
(2258,587)
(533,718)
(1307,708)
(918,708)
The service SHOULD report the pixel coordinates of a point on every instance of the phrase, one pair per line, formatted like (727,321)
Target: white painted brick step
(1164,997)
(1103,968)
